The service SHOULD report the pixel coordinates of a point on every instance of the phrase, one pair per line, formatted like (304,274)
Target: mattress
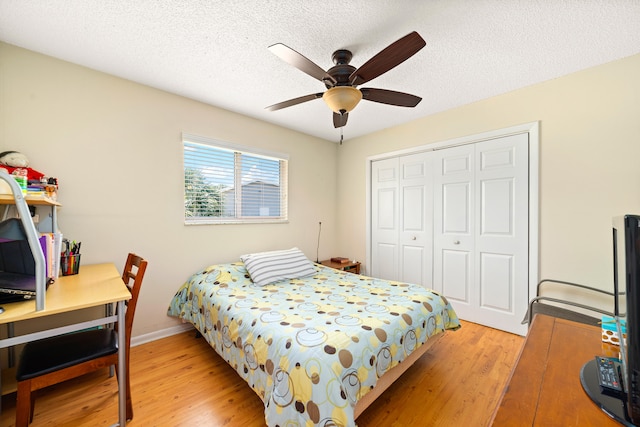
(310,347)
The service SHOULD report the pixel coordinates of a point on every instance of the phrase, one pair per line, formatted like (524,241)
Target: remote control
(608,376)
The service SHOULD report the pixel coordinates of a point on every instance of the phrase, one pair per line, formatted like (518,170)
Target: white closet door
(416,219)
(502,240)
(454,225)
(385,224)
(481,230)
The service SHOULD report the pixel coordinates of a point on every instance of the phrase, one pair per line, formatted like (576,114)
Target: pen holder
(70,264)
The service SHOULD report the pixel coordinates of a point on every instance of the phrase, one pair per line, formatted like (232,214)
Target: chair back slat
(132,276)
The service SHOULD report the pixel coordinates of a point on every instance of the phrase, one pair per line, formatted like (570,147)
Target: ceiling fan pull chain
(341,136)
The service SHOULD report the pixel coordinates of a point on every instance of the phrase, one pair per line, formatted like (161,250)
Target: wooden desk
(544,388)
(95,285)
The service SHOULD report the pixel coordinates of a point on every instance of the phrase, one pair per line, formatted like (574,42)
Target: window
(226,183)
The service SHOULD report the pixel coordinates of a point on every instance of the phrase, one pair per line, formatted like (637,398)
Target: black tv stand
(615,407)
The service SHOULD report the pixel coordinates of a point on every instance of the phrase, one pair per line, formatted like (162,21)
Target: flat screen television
(626,282)
(624,405)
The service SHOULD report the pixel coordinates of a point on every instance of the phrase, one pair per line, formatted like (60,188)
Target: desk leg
(122,377)
(108,312)
(11,351)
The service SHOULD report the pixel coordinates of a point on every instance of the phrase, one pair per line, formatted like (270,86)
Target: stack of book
(51,244)
(42,191)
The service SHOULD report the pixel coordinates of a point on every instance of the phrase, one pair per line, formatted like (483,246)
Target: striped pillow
(269,267)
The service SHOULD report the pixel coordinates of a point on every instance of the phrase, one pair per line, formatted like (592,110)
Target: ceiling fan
(341,80)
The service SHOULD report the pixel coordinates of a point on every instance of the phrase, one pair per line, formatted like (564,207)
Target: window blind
(225,183)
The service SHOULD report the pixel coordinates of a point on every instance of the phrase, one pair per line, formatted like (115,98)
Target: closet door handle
(456,242)
(413,238)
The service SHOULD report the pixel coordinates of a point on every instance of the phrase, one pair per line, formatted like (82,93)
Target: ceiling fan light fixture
(342,99)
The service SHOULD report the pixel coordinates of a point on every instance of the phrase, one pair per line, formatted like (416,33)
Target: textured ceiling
(216,51)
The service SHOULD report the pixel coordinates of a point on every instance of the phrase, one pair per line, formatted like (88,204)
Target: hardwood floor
(181,381)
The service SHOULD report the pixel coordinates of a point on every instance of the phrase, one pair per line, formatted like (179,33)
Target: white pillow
(268,267)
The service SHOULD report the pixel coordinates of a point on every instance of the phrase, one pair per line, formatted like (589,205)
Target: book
(52,253)
(57,250)
(340,260)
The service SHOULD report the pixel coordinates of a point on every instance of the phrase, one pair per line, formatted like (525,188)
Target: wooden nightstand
(349,267)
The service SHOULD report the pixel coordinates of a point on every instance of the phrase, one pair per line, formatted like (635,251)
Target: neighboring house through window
(228,183)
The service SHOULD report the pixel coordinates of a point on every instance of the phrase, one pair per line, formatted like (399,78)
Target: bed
(316,349)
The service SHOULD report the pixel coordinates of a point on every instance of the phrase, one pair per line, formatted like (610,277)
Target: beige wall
(589,162)
(115,147)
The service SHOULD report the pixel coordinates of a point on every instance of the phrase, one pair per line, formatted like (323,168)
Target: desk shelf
(20,201)
(7,199)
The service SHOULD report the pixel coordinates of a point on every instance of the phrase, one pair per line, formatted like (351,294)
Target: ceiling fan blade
(294,101)
(301,62)
(394,54)
(340,120)
(390,97)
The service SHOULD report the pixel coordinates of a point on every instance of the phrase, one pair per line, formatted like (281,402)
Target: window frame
(238,150)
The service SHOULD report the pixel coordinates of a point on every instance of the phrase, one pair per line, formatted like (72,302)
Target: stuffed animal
(12,160)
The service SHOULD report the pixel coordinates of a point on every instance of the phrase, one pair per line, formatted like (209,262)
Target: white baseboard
(178,329)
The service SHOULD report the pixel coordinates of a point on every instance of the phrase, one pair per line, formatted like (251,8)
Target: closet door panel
(496,282)
(416,219)
(456,279)
(413,267)
(385,221)
(502,241)
(413,209)
(456,198)
(386,214)
(497,208)
(453,188)
(386,265)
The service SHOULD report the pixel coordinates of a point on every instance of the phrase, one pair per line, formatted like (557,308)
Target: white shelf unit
(18,199)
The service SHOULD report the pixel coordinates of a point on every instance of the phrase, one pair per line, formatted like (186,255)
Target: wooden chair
(53,360)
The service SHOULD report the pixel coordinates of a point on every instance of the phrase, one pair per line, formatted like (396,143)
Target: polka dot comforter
(310,347)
